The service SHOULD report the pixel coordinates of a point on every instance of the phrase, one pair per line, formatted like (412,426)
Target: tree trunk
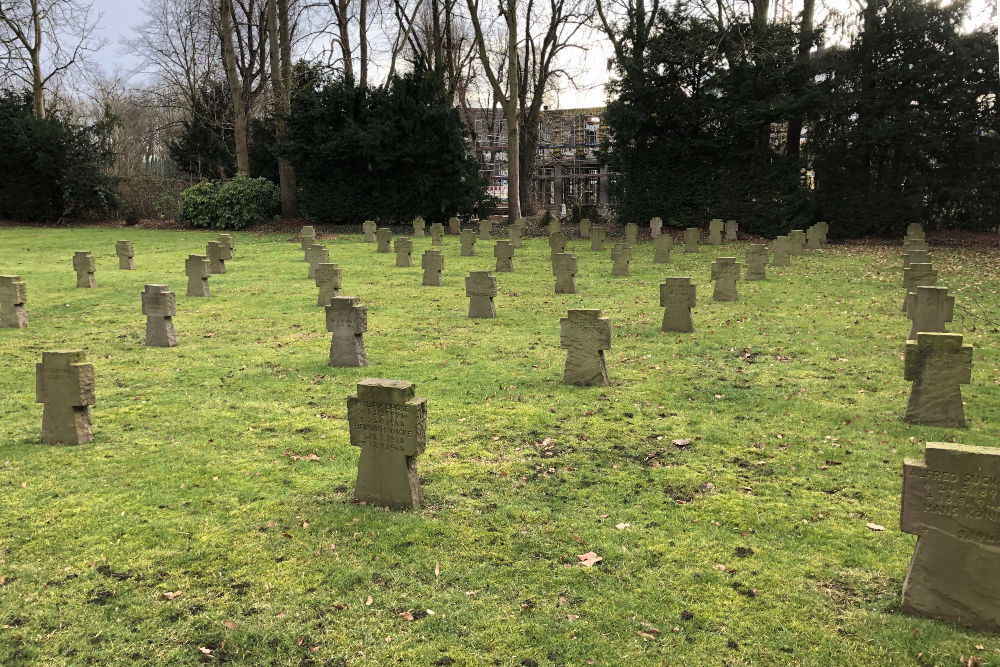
(511,111)
(363,45)
(529,149)
(240,123)
(805,45)
(37,83)
(281,88)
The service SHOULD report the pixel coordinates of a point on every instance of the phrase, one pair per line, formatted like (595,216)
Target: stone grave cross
(621,256)
(585,335)
(677,296)
(13,294)
(383,236)
(432,263)
(564,268)
(504,253)
(328,280)
(485,227)
(369,227)
(159,305)
(929,308)
(316,254)
(217,259)
(557,244)
(756,256)
(937,364)
(468,240)
(917,273)
(418,227)
(64,383)
(197,269)
(597,236)
(347,320)
(725,273)
(661,248)
(715,226)
(126,255)
(632,234)
(691,236)
(404,251)
(481,287)
(84,264)
(782,252)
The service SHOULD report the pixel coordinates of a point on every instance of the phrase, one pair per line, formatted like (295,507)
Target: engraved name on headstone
(328,280)
(937,364)
(929,308)
(347,320)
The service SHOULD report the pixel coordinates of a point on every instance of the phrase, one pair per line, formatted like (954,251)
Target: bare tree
(442,41)
(43,40)
(279,37)
(509,98)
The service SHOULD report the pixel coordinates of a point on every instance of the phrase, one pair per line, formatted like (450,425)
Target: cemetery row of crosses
(950,500)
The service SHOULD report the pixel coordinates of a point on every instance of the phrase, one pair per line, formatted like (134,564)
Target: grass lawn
(221,468)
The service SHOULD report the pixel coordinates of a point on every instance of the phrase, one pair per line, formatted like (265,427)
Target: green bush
(152,195)
(233,204)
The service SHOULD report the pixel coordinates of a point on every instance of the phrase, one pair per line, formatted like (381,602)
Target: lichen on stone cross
(468,241)
(929,307)
(197,269)
(481,288)
(13,294)
(725,273)
(677,296)
(585,335)
(84,265)
(216,259)
(715,226)
(328,280)
(691,237)
(347,320)
(418,227)
(557,244)
(64,383)
(404,251)
(485,227)
(950,501)
(159,305)
(389,423)
(756,259)
(437,233)
(597,236)
(564,269)
(661,248)
(917,273)
(383,236)
(504,253)
(937,364)
(126,255)
(316,254)
(432,263)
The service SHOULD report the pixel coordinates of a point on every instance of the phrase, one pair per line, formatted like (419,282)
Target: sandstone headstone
(64,383)
(404,251)
(756,256)
(383,236)
(316,254)
(197,268)
(950,503)
(824,230)
(13,294)
(389,423)
(468,239)
(632,234)
(725,273)
(328,280)
(597,236)
(621,256)
(216,257)
(504,252)
(481,287)
(918,273)
(437,234)
(418,227)
(515,235)
(432,263)
(159,305)
(555,226)
(691,237)
(347,320)
(916,256)
(229,244)
(557,244)
(677,296)
(655,227)
(732,227)
(369,227)
(585,227)
(585,335)
(929,307)
(937,364)
(782,248)
(307,236)
(126,255)
(661,248)
(84,265)
(564,269)
(485,227)
(715,227)
(796,242)
(814,238)
(454,225)
(915,241)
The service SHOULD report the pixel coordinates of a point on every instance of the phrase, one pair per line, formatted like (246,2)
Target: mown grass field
(221,468)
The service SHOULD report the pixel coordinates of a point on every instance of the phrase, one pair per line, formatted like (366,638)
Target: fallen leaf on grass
(369,601)
(206,651)
(622,525)
(683,442)
(406,615)
(230,624)
(170,596)
(437,569)
(571,617)
(589,559)
(646,635)
(875,526)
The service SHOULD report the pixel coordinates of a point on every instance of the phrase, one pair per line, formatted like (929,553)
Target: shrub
(233,204)
(153,195)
